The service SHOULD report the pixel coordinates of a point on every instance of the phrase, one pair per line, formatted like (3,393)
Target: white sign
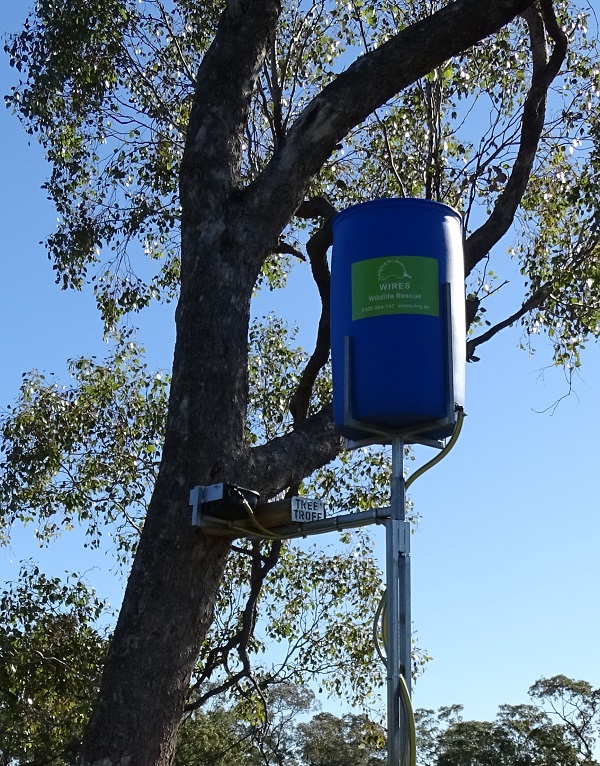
(307,509)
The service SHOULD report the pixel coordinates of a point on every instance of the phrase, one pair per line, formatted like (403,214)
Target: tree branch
(285,461)
(316,247)
(286,249)
(483,239)
(534,301)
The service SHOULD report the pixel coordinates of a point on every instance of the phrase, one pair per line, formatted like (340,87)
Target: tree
(429,726)
(521,735)
(272,725)
(352,740)
(254,731)
(213,737)
(576,705)
(229,128)
(52,649)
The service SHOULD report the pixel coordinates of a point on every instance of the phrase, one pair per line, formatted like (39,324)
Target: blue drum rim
(395,202)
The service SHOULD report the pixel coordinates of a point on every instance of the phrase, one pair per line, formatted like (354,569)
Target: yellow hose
(410,756)
(265,533)
(379,612)
(441,455)
(411,740)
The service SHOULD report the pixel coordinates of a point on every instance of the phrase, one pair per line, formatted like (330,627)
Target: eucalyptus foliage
(52,647)
(85,453)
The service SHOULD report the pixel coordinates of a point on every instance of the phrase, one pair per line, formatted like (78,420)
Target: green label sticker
(395,284)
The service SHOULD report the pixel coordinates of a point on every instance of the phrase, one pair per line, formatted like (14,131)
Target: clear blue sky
(506,564)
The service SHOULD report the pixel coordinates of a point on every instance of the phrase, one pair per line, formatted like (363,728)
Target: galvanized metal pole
(398,639)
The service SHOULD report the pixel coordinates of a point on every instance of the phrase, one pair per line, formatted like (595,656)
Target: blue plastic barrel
(397,318)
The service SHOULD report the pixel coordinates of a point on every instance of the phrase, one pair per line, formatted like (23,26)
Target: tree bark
(227,232)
